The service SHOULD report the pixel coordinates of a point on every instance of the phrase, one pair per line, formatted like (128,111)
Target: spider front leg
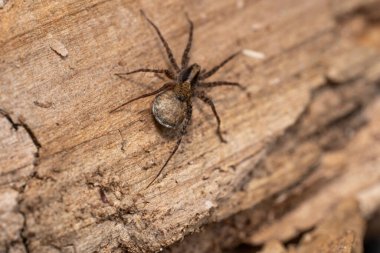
(163,41)
(202,96)
(185,56)
(167,72)
(185,124)
(216,68)
(165,87)
(220,83)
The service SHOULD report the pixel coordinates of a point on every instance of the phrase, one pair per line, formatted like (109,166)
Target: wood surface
(303,141)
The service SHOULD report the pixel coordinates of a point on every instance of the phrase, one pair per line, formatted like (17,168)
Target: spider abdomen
(168,110)
(172,107)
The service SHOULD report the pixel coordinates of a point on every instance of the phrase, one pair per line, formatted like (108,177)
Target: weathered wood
(78,174)
(341,231)
(340,165)
(17,155)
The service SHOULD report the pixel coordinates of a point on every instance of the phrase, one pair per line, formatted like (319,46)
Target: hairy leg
(167,72)
(202,96)
(220,83)
(216,68)
(166,46)
(166,86)
(185,56)
(184,126)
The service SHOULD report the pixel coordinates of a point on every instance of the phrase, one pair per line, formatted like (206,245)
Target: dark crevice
(21,123)
(372,238)
(23,232)
(298,238)
(16,126)
(350,121)
(31,134)
(244,248)
(8,117)
(341,126)
(24,238)
(361,25)
(370,11)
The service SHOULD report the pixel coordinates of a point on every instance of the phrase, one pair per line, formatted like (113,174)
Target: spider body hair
(172,106)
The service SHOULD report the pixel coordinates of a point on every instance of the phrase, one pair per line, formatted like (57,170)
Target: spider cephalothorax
(172,107)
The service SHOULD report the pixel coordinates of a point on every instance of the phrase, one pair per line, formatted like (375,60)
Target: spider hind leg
(183,129)
(165,87)
(202,96)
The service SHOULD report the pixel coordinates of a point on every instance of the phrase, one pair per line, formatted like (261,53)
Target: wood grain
(81,172)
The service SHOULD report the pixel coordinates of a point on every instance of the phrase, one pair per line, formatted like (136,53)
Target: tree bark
(303,153)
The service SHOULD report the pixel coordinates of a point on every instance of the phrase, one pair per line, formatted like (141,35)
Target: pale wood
(312,96)
(341,231)
(17,155)
(349,171)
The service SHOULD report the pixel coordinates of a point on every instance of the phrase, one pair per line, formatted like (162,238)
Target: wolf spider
(172,107)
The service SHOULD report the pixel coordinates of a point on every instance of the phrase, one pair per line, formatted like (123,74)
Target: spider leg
(166,86)
(167,161)
(185,56)
(166,46)
(202,96)
(220,83)
(167,72)
(216,68)
(184,126)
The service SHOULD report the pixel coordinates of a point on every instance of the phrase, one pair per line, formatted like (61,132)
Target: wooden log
(341,231)
(73,176)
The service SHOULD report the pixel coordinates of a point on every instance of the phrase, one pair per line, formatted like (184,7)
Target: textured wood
(340,165)
(341,231)
(82,172)
(17,155)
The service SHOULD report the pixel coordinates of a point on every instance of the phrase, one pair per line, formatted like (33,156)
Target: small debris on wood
(123,141)
(103,195)
(43,105)
(2,3)
(274,81)
(256,26)
(58,48)
(209,204)
(254,54)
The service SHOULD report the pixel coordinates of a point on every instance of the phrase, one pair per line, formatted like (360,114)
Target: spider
(172,107)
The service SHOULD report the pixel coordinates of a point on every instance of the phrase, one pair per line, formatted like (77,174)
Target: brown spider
(172,107)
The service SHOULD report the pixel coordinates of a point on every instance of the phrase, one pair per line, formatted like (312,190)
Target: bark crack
(16,125)
(345,124)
